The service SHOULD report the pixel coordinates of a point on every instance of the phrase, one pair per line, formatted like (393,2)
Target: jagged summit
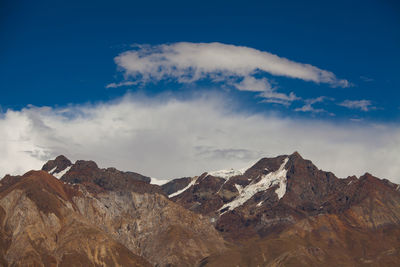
(57,165)
(296,154)
(87,173)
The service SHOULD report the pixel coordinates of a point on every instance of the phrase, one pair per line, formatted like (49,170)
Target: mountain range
(281,211)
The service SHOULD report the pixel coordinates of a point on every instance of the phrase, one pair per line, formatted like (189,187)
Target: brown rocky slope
(48,222)
(40,227)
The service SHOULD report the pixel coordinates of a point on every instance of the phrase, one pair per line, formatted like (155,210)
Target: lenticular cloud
(235,65)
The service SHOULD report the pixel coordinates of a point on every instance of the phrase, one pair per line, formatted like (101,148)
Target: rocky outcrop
(57,165)
(175,185)
(98,180)
(40,227)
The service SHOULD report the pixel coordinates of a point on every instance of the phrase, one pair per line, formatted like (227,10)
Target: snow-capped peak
(226,174)
(268,180)
(158,181)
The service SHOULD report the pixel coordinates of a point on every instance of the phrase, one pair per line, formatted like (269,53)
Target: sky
(172,89)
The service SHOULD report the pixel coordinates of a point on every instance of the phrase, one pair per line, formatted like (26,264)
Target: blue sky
(71,55)
(59,52)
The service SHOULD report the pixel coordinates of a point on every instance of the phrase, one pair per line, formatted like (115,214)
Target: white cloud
(308,106)
(364,105)
(167,138)
(115,85)
(234,65)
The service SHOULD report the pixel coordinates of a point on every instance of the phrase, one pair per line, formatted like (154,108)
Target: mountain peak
(57,165)
(296,155)
(62,158)
(97,179)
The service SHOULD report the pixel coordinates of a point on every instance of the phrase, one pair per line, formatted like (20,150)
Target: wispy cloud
(165,137)
(308,106)
(237,66)
(364,105)
(125,83)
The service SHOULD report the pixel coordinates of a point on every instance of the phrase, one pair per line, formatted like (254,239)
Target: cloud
(307,107)
(165,137)
(115,85)
(237,66)
(364,105)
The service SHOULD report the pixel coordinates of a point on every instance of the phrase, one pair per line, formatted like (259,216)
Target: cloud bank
(165,138)
(237,66)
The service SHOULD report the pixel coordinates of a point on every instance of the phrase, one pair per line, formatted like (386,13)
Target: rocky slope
(40,227)
(152,226)
(362,229)
(97,217)
(285,211)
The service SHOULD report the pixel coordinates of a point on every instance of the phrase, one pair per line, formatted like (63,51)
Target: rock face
(95,222)
(57,165)
(99,180)
(282,211)
(40,227)
(154,227)
(175,185)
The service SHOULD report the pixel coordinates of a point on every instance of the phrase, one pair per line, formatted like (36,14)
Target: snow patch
(226,174)
(158,181)
(239,188)
(61,173)
(184,189)
(267,181)
(52,170)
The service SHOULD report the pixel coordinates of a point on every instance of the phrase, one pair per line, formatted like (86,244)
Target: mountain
(281,211)
(97,217)
(285,211)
